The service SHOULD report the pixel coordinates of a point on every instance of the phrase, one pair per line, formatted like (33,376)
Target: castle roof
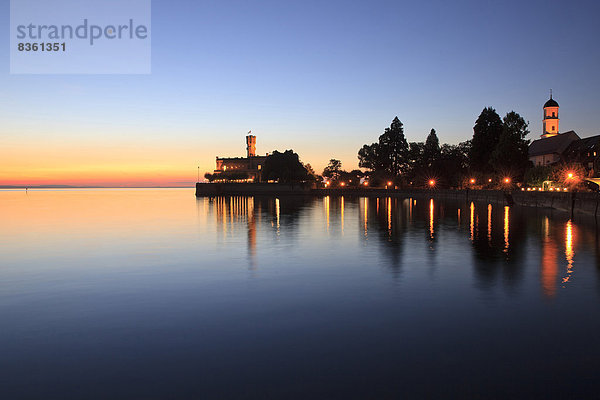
(551,103)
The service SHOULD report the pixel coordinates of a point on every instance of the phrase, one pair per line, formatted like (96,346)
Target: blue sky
(322,78)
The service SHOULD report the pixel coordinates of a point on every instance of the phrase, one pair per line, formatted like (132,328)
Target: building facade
(552,146)
(247,168)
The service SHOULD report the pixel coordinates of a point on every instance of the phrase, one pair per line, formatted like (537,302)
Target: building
(587,153)
(554,147)
(247,168)
(551,148)
(550,126)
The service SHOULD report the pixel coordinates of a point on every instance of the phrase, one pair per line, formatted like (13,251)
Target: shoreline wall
(573,202)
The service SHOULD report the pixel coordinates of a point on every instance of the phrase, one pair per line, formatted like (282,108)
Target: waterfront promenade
(573,202)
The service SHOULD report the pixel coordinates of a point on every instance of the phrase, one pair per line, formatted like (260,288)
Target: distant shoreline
(92,187)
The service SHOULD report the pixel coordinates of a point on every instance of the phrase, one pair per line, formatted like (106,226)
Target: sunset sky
(321,78)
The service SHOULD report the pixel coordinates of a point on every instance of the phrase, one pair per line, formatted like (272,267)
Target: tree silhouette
(389,155)
(486,135)
(431,150)
(333,169)
(511,153)
(284,167)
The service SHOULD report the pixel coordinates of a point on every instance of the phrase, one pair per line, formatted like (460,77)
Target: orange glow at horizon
(98,164)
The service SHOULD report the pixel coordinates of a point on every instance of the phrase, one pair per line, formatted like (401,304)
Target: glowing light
(506,227)
(506,180)
(342,184)
(366,215)
(389,183)
(431,210)
(489,232)
(569,252)
(570,175)
(277,213)
(432,182)
(366,183)
(342,213)
(326,201)
(472,180)
(489,180)
(389,215)
(472,221)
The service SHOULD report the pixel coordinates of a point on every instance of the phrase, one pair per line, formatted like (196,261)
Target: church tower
(550,118)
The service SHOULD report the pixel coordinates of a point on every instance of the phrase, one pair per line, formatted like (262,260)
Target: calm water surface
(156,294)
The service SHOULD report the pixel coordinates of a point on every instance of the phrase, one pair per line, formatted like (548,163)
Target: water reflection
(498,248)
(549,260)
(569,253)
(349,281)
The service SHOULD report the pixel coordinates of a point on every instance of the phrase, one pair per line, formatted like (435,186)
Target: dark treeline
(497,151)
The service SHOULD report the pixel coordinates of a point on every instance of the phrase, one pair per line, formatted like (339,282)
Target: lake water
(152,293)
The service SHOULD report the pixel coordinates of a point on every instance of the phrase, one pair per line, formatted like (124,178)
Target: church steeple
(550,118)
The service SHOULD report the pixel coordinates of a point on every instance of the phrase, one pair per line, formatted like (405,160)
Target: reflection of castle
(242,168)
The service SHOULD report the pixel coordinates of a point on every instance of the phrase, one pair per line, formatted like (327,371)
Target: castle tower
(251,145)
(550,118)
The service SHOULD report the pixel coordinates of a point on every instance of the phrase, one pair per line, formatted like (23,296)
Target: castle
(247,168)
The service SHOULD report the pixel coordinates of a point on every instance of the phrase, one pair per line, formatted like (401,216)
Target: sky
(319,77)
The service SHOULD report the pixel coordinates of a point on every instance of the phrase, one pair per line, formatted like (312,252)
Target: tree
(369,158)
(389,156)
(351,178)
(431,150)
(453,163)
(511,153)
(393,149)
(486,135)
(284,167)
(537,175)
(333,169)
